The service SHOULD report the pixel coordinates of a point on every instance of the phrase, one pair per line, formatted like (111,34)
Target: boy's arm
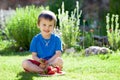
(34,56)
(57,54)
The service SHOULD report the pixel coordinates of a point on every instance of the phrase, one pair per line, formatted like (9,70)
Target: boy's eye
(50,25)
(44,24)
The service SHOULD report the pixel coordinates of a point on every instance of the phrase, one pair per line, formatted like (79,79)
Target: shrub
(2,35)
(88,40)
(69,25)
(113,31)
(23,25)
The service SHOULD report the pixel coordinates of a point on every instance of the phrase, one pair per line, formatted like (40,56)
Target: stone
(96,50)
(70,50)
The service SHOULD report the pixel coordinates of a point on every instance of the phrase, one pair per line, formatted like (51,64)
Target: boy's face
(46,26)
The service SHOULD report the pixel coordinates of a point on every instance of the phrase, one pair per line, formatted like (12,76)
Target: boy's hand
(42,66)
(43,63)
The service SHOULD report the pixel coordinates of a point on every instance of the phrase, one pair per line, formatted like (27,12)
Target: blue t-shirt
(45,48)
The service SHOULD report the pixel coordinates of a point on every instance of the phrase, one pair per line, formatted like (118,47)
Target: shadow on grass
(26,76)
(13,53)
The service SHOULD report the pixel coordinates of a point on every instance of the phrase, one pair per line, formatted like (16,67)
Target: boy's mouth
(47,31)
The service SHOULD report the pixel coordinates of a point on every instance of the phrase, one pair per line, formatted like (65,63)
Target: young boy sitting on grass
(46,47)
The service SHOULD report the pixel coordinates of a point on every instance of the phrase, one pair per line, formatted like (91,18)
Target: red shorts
(34,62)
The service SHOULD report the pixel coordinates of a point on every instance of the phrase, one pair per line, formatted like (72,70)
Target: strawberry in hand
(43,63)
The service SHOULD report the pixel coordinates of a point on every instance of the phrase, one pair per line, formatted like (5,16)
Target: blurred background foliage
(115,7)
(90,27)
(23,25)
(54,5)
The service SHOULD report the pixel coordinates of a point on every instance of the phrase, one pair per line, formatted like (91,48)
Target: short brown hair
(47,15)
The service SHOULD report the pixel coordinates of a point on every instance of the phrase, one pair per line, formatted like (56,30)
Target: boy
(45,46)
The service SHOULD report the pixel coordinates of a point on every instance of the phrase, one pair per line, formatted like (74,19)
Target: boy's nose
(47,27)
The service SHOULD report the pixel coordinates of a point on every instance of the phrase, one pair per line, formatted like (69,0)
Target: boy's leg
(29,66)
(57,62)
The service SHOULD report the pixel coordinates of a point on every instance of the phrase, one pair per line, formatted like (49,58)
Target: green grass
(76,68)
(98,67)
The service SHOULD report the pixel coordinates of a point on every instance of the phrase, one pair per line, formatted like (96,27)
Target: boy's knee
(25,63)
(58,62)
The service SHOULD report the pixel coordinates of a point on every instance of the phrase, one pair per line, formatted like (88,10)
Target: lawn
(97,67)
(76,68)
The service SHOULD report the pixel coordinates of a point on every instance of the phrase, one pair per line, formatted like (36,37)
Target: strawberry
(51,72)
(49,68)
(60,72)
(58,69)
(54,69)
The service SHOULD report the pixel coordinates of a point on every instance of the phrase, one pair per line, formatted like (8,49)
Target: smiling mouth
(46,31)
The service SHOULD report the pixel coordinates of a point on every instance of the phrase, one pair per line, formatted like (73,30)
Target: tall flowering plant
(69,25)
(113,31)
